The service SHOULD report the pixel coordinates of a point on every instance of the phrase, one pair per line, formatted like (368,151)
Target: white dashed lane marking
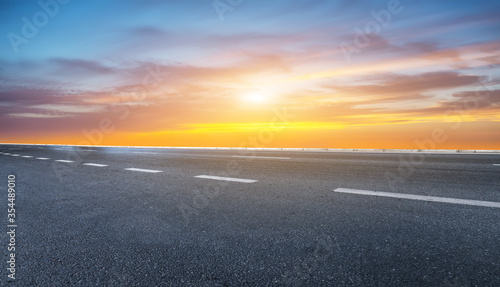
(27,156)
(143,170)
(16,155)
(421,197)
(497,164)
(95,164)
(43,158)
(62,160)
(261,157)
(227,178)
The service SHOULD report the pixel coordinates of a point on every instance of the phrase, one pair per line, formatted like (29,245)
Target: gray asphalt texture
(82,225)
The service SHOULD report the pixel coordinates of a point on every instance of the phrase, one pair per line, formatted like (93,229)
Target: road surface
(100,216)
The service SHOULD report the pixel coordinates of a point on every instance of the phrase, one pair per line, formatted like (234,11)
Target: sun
(256,97)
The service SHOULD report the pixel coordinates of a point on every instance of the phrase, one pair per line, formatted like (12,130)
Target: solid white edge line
(227,178)
(63,160)
(421,197)
(262,157)
(43,158)
(143,170)
(95,164)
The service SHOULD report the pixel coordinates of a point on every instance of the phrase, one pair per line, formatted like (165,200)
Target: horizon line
(463,151)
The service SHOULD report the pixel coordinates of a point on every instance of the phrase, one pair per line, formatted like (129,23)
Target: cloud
(33,115)
(432,51)
(29,96)
(68,108)
(393,88)
(475,99)
(79,66)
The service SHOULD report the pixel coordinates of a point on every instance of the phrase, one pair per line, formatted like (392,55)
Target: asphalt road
(157,217)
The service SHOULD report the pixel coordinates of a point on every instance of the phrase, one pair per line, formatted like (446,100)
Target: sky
(238,73)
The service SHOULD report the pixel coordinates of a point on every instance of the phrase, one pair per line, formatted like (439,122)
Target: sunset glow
(330,74)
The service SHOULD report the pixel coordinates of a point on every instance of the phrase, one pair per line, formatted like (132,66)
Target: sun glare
(254,97)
